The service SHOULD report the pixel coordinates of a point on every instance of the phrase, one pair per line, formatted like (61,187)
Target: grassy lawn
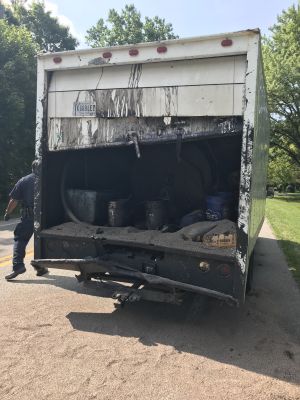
(283,213)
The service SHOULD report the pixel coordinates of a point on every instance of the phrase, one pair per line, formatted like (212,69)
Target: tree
(7,14)
(17,103)
(127,27)
(24,31)
(45,29)
(282,170)
(282,68)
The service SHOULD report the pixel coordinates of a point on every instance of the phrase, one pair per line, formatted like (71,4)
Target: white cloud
(62,19)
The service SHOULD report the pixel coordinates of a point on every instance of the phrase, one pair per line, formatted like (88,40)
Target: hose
(67,209)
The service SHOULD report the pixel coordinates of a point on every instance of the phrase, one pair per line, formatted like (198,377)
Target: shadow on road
(243,337)
(263,336)
(93,288)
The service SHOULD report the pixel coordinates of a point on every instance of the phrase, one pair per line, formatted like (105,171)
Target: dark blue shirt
(24,190)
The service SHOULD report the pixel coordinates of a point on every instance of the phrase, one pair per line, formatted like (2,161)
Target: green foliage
(23,32)
(17,103)
(127,27)
(8,15)
(282,68)
(46,30)
(282,170)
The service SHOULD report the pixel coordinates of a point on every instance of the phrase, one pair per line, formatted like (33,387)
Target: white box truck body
(166,127)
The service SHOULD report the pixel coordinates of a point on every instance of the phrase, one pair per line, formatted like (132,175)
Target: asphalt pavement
(7,241)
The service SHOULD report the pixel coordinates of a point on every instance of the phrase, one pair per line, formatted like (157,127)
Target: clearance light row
(135,52)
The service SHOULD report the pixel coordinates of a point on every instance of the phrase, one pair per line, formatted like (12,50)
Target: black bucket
(155,214)
(118,213)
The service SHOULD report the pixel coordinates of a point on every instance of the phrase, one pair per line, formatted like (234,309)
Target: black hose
(67,209)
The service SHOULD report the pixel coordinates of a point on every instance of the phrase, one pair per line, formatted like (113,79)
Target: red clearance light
(57,60)
(226,42)
(107,54)
(224,270)
(162,49)
(133,52)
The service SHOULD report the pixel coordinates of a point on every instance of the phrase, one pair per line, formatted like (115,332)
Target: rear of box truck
(140,148)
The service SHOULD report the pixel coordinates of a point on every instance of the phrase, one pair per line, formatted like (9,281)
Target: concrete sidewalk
(274,283)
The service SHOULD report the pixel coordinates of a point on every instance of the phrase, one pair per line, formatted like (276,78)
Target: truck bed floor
(132,237)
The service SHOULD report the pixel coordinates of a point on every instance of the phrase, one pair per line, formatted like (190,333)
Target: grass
(283,213)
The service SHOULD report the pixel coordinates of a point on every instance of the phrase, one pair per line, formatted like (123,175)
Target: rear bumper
(109,270)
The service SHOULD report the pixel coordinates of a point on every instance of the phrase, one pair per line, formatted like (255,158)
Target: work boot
(14,274)
(42,271)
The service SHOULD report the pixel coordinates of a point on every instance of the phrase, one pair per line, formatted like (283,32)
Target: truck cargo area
(152,166)
(179,175)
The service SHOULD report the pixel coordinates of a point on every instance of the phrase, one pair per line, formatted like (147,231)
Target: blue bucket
(228,203)
(214,208)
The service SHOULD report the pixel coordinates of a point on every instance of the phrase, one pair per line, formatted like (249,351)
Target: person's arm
(15,195)
(12,204)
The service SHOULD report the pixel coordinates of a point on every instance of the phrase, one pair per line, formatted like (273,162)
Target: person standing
(23,192)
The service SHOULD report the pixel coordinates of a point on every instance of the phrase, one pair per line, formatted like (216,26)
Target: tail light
(224,270)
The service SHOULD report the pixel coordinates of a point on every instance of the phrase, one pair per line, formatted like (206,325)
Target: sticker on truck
(84,109)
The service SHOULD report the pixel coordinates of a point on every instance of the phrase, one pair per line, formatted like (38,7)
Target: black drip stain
(135,75)
(119,103)
(171,100)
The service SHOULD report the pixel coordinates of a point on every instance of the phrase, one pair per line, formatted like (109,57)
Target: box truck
(152,165)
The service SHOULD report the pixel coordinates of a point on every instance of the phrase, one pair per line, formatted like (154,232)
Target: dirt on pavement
(60,340)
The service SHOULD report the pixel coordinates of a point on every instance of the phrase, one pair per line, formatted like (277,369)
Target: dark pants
(22,235)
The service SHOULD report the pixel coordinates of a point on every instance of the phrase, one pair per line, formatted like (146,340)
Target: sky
(188,17)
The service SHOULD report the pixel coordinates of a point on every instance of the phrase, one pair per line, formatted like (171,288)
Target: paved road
(60,340)
(6,241)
